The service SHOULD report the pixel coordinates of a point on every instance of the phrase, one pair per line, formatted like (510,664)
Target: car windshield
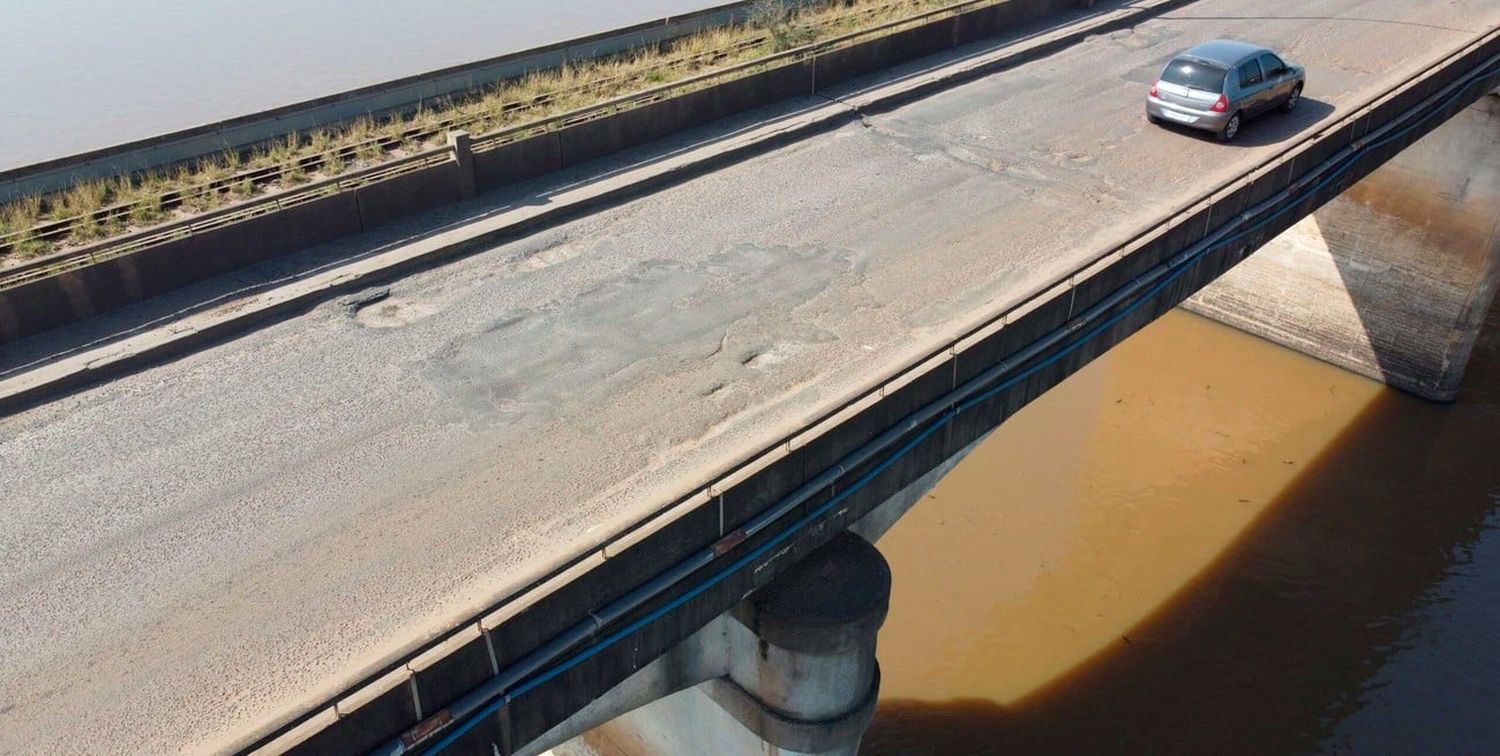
(1196,74)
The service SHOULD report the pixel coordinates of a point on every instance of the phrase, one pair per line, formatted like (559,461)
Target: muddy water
(1204,543)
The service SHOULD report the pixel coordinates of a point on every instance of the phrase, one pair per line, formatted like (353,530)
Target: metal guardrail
(117,246)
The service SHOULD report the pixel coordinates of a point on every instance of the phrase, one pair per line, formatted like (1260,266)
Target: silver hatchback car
(1219,84)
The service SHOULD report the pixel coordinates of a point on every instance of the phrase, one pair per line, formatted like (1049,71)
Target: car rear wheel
(1292,99)
(1231,128)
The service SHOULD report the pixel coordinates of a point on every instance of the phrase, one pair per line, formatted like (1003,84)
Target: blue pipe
(471,708)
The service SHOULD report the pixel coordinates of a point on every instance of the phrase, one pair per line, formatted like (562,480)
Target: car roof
(1224,51)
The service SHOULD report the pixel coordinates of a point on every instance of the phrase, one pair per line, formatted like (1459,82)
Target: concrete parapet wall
(1393,278)
(670,575)
(49,302)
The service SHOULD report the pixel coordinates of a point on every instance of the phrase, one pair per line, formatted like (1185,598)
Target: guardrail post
(463,154)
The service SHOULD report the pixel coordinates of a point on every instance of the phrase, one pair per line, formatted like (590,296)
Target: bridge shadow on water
(1278,640)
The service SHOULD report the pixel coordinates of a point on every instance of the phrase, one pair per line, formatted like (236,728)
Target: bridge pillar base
(800,675)
(1393,278)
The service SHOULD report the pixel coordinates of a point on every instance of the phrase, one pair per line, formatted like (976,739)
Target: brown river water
(1205,543)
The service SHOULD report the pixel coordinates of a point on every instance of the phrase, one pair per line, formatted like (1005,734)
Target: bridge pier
(1392,279)
(790,670)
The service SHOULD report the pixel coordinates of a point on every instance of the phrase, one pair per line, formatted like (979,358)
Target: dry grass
(148,210)
(775,26)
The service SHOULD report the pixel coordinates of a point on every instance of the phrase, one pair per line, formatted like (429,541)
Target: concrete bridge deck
(190,550)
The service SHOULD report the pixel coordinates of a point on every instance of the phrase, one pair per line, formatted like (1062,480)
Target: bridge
(474,507)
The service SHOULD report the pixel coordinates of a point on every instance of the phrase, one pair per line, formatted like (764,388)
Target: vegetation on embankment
(100,209)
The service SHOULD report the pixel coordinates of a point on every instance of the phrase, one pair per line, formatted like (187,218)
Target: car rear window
(1196,74)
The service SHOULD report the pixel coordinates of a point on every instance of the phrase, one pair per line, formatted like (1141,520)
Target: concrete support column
(791,670)
(802,672)
(1393,278)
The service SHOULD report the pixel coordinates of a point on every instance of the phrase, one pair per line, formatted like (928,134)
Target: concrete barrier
(409,194)
(518,161)
(51,301)
(845,463)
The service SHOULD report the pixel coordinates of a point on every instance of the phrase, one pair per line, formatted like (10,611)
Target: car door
(1278,79)
(1253,94)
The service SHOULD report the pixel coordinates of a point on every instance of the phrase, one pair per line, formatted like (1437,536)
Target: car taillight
(1221,104)
(1153,89)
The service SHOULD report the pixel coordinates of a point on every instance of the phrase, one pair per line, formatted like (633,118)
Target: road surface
(187,551)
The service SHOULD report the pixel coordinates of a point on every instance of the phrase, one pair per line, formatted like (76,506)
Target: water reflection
(1203,543)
